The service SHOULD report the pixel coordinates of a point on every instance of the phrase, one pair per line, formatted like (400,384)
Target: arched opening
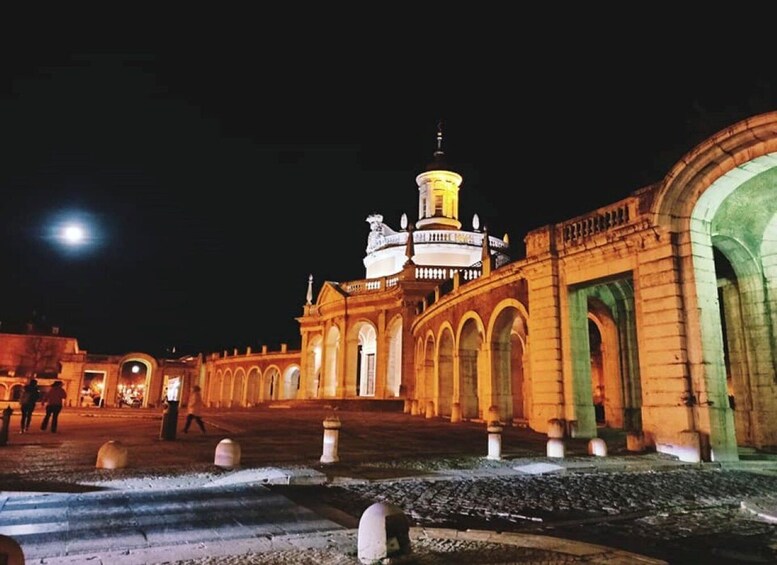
(332,354)
(315,349)
(133,384)
(253,387)
(445,373)
(428,393)
(507,384)
(394,367)
(290,383)
(470,343)
(272,381)
(366,361)
(238,389)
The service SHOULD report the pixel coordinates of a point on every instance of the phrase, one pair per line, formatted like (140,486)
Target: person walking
(30,397)
(54,401)
(194,409)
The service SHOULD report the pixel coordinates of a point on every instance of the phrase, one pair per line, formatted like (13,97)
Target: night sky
(216,172)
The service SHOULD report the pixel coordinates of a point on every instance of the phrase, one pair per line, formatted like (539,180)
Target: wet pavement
(522,508)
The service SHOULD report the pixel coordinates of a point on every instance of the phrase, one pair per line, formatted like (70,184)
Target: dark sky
(217,171)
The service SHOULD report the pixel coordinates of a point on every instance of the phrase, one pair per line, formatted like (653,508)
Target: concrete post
(494,441)
(5,424)
(555,448)
(331,439)
(597,447)
(414,407)
(383,535)
(430,409)
(111,455)
(227,454)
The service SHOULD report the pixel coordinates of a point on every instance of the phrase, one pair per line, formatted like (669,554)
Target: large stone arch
(608,304)
(696,201)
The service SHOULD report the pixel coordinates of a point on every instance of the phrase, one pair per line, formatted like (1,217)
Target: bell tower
(438,193)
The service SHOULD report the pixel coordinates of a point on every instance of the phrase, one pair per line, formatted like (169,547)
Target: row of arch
(238,387)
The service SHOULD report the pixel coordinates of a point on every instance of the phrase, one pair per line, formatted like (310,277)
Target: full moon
(73,234)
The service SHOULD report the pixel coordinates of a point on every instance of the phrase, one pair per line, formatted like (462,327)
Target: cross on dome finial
(439,139)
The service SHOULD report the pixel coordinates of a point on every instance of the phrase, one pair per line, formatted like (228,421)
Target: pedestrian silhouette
(193,412)
(54,401)
(30,397)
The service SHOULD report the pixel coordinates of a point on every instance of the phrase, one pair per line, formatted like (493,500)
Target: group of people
(53,400)
(55,397)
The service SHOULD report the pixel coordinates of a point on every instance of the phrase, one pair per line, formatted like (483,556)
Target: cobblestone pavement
(680,515)
(648,504)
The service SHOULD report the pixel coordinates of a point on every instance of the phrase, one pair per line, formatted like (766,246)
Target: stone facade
(655,314)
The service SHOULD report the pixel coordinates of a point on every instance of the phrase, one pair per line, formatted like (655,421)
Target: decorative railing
(599,222)
(474,239)
(420,273)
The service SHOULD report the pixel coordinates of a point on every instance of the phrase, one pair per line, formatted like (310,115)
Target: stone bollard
(455,413)
(10,551)
(112,455)
(556,428)
(406,407)
(494,441)
(493,414)
(331,440)
(430,409)
(597,447)
(414,407)
(384,534)
(555,448)
(227,454)
(5,425)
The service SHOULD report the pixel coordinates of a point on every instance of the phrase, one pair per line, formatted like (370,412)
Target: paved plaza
(280,504)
